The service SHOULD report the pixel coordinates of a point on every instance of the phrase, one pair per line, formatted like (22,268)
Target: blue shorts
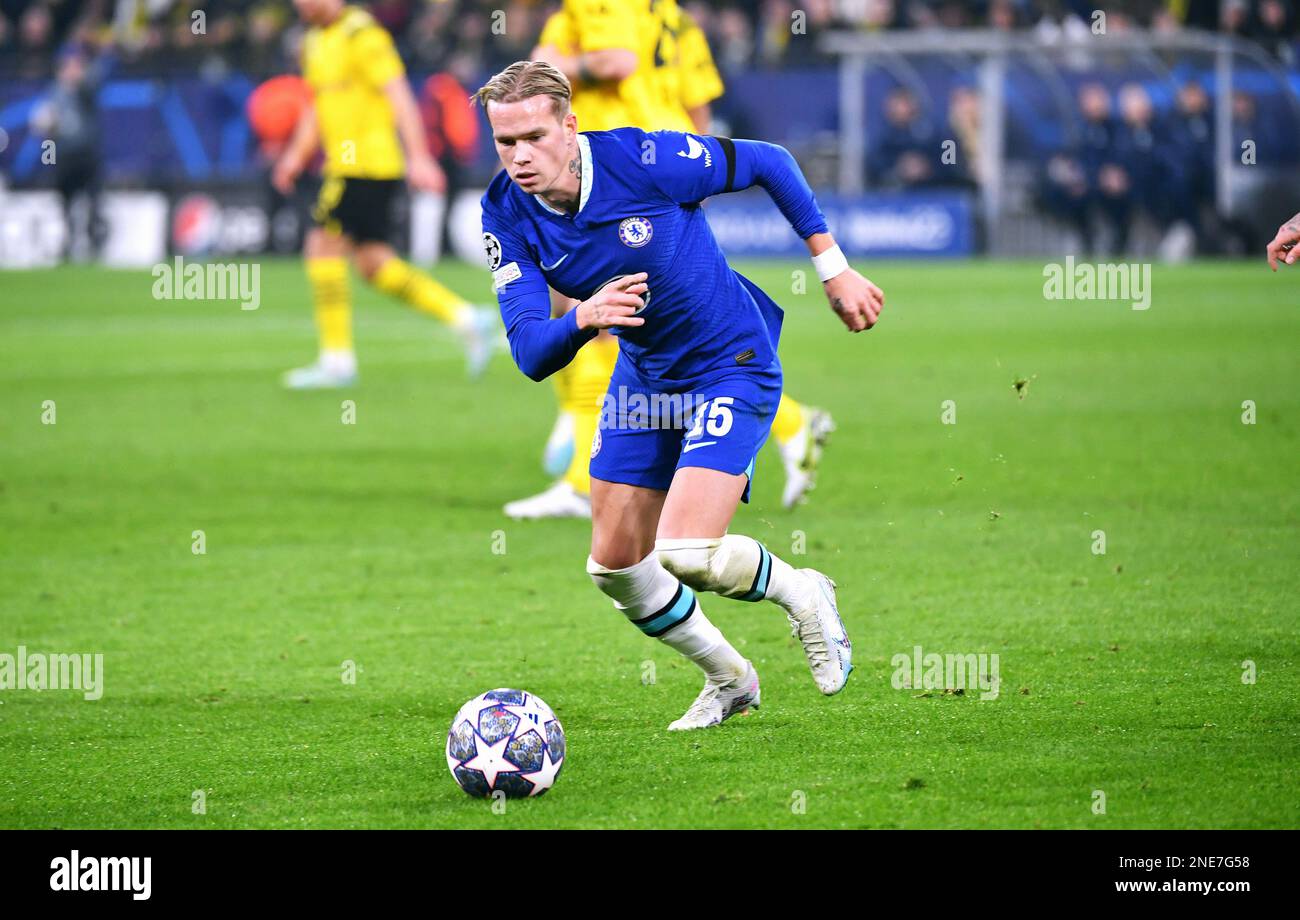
(648,431)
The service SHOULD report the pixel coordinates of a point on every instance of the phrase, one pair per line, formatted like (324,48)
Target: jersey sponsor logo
(635,231)
(505,274)
(555,265)
(693,150)
(492,246)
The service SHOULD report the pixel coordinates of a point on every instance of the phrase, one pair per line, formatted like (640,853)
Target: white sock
(664,608)
(339,361)
(788,587)
(703,643)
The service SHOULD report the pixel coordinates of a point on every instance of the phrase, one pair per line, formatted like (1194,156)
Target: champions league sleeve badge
(493,248)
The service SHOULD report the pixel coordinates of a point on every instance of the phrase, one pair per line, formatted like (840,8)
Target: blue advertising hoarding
(931,223)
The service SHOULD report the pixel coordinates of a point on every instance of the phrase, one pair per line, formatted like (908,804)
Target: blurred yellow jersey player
(644,63)
(364,119)
(699,81)
(623,84)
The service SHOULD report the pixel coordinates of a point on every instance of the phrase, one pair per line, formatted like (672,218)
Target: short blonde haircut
(524,80)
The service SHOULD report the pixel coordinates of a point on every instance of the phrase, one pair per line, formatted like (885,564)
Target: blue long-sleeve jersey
(640,211)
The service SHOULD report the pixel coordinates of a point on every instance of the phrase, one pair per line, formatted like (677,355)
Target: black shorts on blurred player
(361,209)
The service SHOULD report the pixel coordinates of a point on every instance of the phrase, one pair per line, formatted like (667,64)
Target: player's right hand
(285,174)
(614,304)
(1282,249)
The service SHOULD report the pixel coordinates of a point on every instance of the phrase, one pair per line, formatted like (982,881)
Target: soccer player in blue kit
(613,219)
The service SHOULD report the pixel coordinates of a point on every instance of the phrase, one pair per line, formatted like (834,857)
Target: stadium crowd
(261,36)
(1125,155)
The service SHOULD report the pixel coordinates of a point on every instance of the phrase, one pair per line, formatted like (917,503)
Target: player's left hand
(1282,249)
(855,300)
(425,175)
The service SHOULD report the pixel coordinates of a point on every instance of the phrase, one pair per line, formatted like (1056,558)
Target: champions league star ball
(507,741)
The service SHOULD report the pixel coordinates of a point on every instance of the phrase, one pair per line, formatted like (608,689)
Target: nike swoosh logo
(550,268)
(686,449)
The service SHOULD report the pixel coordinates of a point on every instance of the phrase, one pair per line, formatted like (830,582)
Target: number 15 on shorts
(714,418)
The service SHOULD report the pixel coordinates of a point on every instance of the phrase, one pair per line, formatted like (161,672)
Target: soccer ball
(507,741)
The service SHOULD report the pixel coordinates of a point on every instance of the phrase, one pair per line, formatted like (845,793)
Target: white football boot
(803,453)
(481,337)
(821,631)
(332,371)
(561,500)
(558,453)
(717,703)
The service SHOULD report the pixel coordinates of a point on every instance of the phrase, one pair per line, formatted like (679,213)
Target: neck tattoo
(575,169)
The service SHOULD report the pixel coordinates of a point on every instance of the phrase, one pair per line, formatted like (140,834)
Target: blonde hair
(524,80)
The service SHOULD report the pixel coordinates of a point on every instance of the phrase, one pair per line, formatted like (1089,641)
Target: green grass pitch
(374,543)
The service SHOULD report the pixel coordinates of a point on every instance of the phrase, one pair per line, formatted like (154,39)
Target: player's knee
(369,258)
(320,244)
(619,582)
(724,565)
(610,550)
(693,562)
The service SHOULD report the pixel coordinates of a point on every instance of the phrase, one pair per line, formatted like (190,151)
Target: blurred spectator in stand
(1138,148)
(68,117)
(1004,16)
(35,42)
(523,23)
(1145,151)
(433,34)
(1087,180)
(1250,134)
(262,53)
(1192,149)
(734,45)
(1109,184)
(1276,31)
(964,120)
(1234,18)
(775,32)
(1262,135)
(780,45)
(907,153)
(1065,194)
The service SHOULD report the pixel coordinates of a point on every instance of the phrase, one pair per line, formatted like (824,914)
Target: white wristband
(830,263)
